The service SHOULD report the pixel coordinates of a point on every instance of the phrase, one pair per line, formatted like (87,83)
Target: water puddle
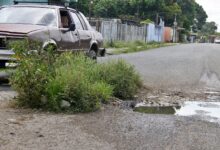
(155,110)
(209,111)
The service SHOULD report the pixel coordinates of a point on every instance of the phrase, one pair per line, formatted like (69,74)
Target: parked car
(217,40)
(61,27)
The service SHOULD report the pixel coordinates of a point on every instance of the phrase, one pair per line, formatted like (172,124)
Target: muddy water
(209,111)
(156,110)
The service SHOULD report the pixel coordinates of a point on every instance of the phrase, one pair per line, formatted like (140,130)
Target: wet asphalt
(189,66)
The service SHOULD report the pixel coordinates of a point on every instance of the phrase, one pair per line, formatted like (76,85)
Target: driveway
(194,66)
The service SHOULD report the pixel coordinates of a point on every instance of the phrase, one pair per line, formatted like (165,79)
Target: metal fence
(112,31)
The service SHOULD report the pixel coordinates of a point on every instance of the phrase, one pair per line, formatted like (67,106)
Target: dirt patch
(6,96)
(28,129)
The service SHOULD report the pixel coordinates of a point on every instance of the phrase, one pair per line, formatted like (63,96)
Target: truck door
(85,35)
(69,39)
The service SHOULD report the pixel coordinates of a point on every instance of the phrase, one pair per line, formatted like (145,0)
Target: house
(10,2)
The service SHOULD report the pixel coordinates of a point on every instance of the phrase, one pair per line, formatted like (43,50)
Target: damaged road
(172,75)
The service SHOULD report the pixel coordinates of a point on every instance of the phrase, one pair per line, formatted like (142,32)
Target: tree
(201,16)
(106,8)
(209,28)
(185,10)
(186,18)
(170,10)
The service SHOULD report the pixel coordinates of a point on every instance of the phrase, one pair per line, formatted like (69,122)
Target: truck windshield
(28,15)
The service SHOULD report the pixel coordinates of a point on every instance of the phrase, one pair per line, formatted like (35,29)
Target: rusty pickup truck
(61,27)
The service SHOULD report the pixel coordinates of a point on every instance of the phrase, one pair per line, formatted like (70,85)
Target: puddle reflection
(206,110)
(203,109)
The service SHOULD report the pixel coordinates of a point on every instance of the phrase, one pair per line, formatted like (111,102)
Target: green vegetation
(129,47)
(122,77)
(77,82)
(69,82)
(147,21)
(32,74)
(209,28)
(138,10)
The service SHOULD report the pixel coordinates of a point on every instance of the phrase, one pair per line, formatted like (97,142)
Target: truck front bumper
(6,58)
(6,55)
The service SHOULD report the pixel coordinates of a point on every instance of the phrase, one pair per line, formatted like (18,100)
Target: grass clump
(76,82)
(136,46)
(122,77)
(69,82)
(32,75)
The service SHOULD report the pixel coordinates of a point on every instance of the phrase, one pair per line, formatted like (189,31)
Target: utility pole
(157,27)
(90,9)
(138,10)
(174,30)
(157,19)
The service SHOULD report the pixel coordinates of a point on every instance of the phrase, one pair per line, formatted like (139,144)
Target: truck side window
(65,19)
(76,21)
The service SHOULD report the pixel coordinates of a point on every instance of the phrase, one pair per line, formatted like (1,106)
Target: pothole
(209,111)
(156,110)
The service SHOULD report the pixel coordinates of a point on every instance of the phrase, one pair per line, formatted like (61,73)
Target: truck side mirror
(72,27)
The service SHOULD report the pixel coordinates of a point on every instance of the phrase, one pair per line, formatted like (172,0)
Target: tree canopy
(186,11)
(209,28)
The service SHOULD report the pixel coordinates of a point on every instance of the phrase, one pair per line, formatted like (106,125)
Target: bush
(122,77)
(69,82)
(77,83)
(31,76)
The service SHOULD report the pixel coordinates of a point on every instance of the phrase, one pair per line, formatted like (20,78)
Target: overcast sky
(212,8)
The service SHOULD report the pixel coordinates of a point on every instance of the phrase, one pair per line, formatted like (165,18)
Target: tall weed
(69,82)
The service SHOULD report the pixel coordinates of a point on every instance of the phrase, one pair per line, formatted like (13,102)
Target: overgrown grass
(69,82)
(32,75)
(77,82)
(122,77)
(129,47)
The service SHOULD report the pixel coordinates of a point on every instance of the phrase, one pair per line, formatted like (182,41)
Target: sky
(212,8)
